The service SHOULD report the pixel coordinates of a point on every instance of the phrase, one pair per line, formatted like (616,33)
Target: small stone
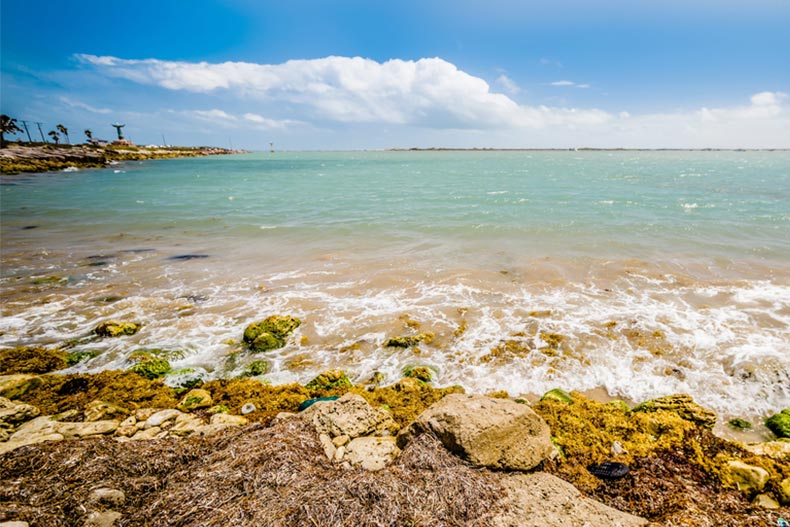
(101,410)
(74,430)
(341,441)
(126,431)
(144,413)
(129,421)
(339,453)
(765,501)
(195,399)
(227,419)
(329,448)
(784,491)
(371,453)
(14,524)
(112,498)
(161,417)
(617,449)
(747,478)
(248,408)
(148,433)
(185,425)
(102,519)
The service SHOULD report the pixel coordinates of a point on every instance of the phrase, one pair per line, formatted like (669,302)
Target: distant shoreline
(17,158)
(585,149)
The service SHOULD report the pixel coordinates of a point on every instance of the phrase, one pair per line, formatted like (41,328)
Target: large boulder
(543,500)
(682,405)
(270,333)
(351,415)
(494,433)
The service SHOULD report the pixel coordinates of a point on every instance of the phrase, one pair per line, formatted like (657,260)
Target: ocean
(636,273)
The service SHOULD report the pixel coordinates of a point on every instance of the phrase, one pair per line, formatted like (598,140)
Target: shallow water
(663,272)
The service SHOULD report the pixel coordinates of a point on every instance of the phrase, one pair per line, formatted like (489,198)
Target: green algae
(255,368)
(148,365)
(779,423)
(559,395)
(739,424)
(683,405)
(270,333)
(421,373)
(77,356)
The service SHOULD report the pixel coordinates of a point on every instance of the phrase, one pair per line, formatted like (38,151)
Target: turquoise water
(691,246)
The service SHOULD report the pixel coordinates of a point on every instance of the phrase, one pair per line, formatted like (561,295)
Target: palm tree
(7,126)
(65,131)
(55,136)
(88,134)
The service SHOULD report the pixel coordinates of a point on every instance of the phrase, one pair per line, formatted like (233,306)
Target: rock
(148,433)
(779,423)
(371,453)
(339,454)
(773,449)
(559,395)
(218,409)
(15,386)
(102,519)
(270,333)
(682,405)
(13,444)
(255,368)
(194,400)
(304,405)
(351,415)
(248,408)
(75,430)
(543,500)
(409,341)
(341,441)
(328,380)
(784,491)
(227,419)
(129,421)
(161,417)
(495,433)
(100,410)
(328,446)
(185,425)
(421,373)
(42,425)
(749,479)
(764,501)
(12,414)
(114,328)
(111,498)
(281,417)
(14,524)
(126,431)
(143,414)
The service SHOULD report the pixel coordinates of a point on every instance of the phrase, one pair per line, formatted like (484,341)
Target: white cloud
(583,86)
(213,115)
(563,83)
(429,92)
(508,84)
(765,105)
(84,106)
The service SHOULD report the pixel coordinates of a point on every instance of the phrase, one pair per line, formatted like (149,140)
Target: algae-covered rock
(270,333)
(682,405)
(218,409)
(779,423)
(329,380)
(12,413)
(409,341)
(115,328)
(77,356)
(749,479)
(255,368)
(421,373)
(739,424)
(15,386)
(31,359)
(194,400)
(102,410)
(186,378)
(559,395)
(149,366)
(619,403)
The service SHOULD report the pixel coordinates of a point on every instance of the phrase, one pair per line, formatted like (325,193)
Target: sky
(318,75)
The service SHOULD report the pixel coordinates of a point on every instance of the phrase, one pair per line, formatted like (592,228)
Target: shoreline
(678,469)
(21,158)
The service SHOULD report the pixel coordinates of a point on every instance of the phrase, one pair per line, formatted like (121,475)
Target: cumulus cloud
(764,105)
(508,84)
(225,119)
(429,92)
(563,83)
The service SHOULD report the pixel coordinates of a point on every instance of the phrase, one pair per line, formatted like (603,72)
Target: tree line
(9,125)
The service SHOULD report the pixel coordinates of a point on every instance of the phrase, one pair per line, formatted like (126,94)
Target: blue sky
(317,74)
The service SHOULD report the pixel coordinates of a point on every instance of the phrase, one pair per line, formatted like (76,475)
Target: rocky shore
(17,158)
(124,448)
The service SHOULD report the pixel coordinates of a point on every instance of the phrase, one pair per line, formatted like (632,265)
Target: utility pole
(164,141)
(29,140)
(43,140)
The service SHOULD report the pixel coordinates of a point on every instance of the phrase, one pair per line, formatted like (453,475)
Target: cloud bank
(433,103)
